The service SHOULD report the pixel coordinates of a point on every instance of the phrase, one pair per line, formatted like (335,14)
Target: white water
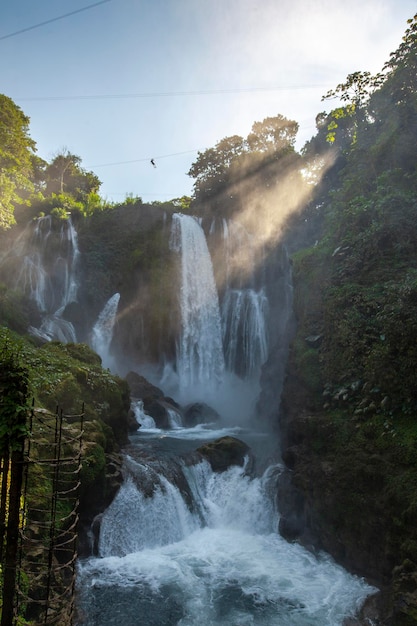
(146,422)
(223,564)
(245,333)
(49,274)
(200,360)
(102,332)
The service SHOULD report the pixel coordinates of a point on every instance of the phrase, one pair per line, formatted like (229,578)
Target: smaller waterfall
(148,522)
(49,274)
(174,418)
(200,359)
(145,422)
(245,333)
(102,332)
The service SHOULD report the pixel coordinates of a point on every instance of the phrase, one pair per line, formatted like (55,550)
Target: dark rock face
(155,404)
(224,452)
(199,413)
(95,503)
(141,388)
(340,499)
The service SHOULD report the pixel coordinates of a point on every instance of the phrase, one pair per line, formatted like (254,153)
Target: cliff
(347,419)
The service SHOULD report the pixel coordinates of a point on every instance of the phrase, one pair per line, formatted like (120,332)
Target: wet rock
(199,413)
(141,388)
(155,404)
(224,452)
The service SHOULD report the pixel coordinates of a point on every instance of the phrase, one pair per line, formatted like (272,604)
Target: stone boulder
(155,404)
(224,452)
(199,413)
(141,388)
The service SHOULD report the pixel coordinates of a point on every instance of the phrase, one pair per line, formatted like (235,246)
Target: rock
(154,403)
(224,452)
(141,388)
(132,423)
(199,413)
(158,411)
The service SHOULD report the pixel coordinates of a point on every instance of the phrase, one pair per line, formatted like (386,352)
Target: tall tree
(212,167)
(273,135)
(16,159)
(65,175)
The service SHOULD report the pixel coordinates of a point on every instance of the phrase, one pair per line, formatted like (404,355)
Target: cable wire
(54,19)
(167,94)
(163,156)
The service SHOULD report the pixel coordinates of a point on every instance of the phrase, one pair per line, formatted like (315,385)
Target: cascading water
(245,333)
(102,332)
(181,544)
(48,275)
(216,562)
(200,360)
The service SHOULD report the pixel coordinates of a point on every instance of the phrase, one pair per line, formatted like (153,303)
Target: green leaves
(14,398)
(234,158)
(16,154)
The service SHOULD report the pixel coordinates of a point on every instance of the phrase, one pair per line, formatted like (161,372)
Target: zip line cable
(54,19)
(167,94)
(162,156)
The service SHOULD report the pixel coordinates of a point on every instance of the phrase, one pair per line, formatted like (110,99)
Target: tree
(212,167)
(16,159)
(65,175)
(273,135)
(234,159)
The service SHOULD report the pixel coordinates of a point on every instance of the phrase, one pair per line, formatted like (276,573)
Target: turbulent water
(215,561)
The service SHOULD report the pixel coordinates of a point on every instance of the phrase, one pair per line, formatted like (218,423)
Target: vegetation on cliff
(350,400)
(69,378)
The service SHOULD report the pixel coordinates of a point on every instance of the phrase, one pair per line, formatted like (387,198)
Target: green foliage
(357,292)
(16,159)
(131,199)
(14,396)
(68,376)
(222,169)
(14,309)
(65,175)
(94,462)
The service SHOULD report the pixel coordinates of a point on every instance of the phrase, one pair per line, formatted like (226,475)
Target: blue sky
(119,82)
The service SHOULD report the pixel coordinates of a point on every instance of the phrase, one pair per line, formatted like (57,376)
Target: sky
(121,82)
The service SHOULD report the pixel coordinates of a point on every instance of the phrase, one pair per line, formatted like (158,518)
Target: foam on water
(224,564)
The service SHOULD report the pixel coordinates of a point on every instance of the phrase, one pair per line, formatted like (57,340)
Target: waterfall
(49,274)
(200,360)
(214,561)
(181,544)
(245,333)
(145,422)
(102,332)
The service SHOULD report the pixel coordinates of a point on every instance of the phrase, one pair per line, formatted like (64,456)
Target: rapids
(218,561)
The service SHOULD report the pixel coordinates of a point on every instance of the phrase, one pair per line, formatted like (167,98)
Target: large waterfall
(200,360)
